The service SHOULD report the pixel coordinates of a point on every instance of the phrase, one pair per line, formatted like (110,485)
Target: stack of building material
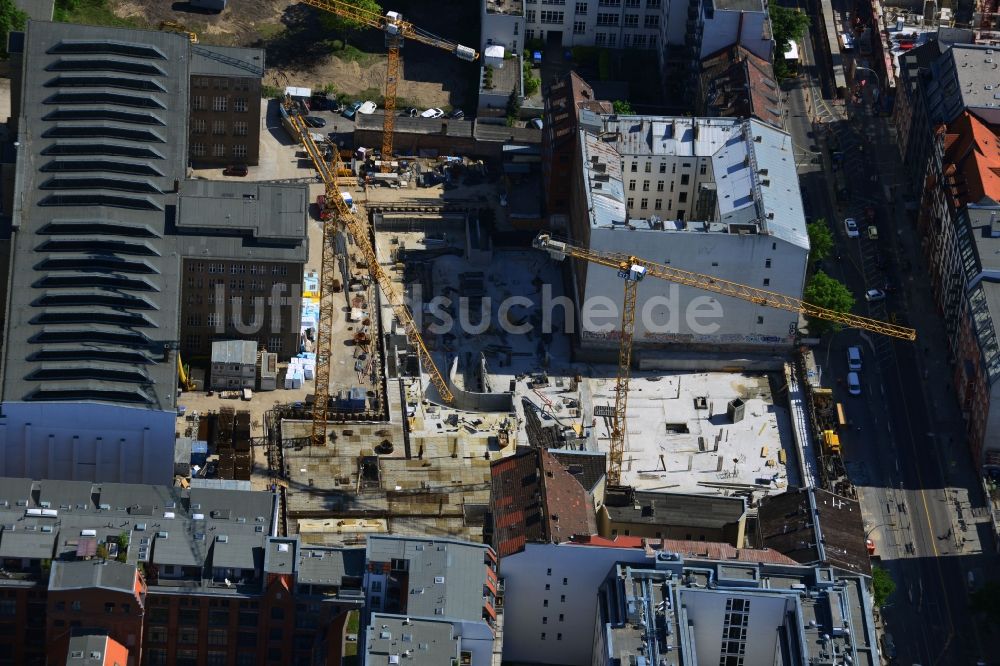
(294,376)
(225,424)
(304,362)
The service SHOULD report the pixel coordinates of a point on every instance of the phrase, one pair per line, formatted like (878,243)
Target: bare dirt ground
(242,23)
(299,50)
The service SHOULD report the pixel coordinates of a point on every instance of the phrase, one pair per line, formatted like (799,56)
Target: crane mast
(359,231)
(396,30)
(633,270)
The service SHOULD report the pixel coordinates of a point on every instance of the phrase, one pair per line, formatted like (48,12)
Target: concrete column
(51,466)
(141,455)
(122,458)
(26,449)
(98,457)
(74,452)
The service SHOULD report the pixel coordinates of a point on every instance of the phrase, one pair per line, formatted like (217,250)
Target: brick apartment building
(959,225)
(238,299)
(225,105)
(201,580)
(198,577)
(565,100)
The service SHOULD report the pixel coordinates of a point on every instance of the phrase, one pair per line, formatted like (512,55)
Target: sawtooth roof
(104,214)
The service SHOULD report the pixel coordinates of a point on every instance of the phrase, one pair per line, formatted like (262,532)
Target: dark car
(236,170)
(409,113)
(315,121)
(457,114)
(351,110)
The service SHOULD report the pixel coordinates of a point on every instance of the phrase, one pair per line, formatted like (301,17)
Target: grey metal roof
(242,352)
(227,61)
(606,189)
(136,87)
(235,551)
(31,545)
(328,566)
(87,650)
(451,574)
(260,212)
(677,509)
(165,524)
(430,641)
(82,574)
(104,214)
(768,196)
(281,555)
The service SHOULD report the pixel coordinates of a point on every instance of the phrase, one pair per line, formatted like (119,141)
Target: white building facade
(649,24)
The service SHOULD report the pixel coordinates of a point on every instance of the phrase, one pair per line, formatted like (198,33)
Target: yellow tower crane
(359,231)
(396,30)
(633,270)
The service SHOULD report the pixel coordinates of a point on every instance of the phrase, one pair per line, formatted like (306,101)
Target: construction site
(434,340)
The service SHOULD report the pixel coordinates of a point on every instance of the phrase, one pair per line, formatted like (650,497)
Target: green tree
(820,240)
(343,25)
(787,25)
(882,586)
(12,19)
(513,107)
(986,600)
(824,291)
(622,107)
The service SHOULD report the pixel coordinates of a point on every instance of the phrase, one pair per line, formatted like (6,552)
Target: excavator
(183,378)
(174,26)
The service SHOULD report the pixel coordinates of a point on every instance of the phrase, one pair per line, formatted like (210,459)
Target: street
(904,451)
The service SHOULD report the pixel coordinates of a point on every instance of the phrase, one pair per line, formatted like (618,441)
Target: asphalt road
(905,452)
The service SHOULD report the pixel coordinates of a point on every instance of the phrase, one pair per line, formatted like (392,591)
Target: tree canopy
(820,240)
(986,600)
(826,292)
(340,24)
(787,25)
(11,19)
(622,107)
(882,586)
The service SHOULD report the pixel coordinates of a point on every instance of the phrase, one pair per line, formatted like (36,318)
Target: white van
(853,383)
(854,358)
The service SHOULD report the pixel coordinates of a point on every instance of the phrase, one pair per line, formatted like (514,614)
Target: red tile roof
(706,550)
(534,498)
(971,161)
(726,77)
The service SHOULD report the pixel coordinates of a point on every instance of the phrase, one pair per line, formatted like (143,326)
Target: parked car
(853,383)
(872,232)
(315,121)
(321,212)
(351,110)
(888,646)
(873,295)
(537,123)
(367,108)
(851,227)
(854,358)
(236,170)
(432,113)
(410,112)
(457,114)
